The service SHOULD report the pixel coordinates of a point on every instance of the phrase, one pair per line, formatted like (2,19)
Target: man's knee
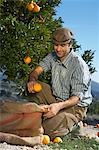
(59,125)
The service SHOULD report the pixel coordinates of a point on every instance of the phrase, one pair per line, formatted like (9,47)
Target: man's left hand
(53,110)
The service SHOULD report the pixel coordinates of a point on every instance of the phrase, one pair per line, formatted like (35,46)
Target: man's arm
(35,73)
(56,107)
(72,101)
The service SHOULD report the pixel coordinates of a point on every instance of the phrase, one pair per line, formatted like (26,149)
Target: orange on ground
(37,87)
(97,125)
(30,6)
(46,139)
(98,134)
(27,60)
(36,8)
(57,140)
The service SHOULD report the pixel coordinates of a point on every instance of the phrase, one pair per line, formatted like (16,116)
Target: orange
(37,87)
(98,134)
(46,139)
(27,60)
(36,8)
(30,6)
(97,125)
(57,140)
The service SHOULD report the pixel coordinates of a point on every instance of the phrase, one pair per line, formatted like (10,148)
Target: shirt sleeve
(80,82)
(46,63)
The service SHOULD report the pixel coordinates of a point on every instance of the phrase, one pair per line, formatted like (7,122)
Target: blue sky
(82,17)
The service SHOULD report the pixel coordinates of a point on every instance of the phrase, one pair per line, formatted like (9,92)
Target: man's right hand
(33,78)
(30,86)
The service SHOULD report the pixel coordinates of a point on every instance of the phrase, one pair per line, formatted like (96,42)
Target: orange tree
(25,33)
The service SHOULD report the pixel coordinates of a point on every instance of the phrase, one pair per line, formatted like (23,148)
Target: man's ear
(70,45)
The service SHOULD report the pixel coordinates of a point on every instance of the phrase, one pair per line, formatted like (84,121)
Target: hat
(62,36)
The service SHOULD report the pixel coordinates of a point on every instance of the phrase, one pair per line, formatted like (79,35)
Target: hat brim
(61,42)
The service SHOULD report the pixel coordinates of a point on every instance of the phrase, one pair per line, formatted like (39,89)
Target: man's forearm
(72,101)
(35,74)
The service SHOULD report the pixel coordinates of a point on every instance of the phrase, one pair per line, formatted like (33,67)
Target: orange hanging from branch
(30,6)
(36,8)
(27,60)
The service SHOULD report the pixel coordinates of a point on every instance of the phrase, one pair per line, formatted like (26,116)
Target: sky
(82,17)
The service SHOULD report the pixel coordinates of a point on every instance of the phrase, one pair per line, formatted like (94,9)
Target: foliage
(88,57)
(25,33)
(76,47)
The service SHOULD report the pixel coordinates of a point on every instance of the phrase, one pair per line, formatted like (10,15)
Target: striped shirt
(69,78)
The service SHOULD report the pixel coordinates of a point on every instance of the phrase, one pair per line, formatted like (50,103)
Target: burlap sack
(17,140)
(19,121)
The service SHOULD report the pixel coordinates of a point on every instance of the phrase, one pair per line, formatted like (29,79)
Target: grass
(76,143)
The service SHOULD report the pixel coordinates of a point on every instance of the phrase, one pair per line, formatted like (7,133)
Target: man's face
(62,50)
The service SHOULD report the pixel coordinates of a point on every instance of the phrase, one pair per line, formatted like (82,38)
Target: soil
(5,146)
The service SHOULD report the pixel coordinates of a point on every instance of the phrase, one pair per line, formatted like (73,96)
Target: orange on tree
(30,6)
(57,140)
(37,87)
(36,8)
(27,59)
(46,139)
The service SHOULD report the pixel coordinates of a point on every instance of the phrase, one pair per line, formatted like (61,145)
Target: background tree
(25,33)
(88,56)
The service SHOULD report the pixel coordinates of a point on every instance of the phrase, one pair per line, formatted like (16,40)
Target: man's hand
(33,78)
(53,109)
(45,108)
(30,86)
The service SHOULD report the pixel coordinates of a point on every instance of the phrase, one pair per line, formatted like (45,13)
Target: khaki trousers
(65,121)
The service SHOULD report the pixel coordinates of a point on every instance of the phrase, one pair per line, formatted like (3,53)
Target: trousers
(65,121)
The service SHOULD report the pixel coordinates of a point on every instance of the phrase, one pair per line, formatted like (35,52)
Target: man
(69,95)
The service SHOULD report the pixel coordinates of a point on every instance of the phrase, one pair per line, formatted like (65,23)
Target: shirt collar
(66,61)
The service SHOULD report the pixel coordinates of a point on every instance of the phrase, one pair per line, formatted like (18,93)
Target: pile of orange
(32,6)
(46,140)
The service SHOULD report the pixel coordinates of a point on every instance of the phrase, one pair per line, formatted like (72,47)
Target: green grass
(76,143)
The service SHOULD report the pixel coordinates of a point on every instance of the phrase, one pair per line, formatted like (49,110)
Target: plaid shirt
(69,78)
